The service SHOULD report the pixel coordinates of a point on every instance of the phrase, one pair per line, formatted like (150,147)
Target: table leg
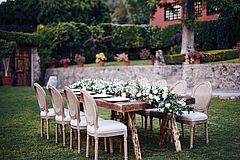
(175,133)
(163,127)
(136,145)
(113,114)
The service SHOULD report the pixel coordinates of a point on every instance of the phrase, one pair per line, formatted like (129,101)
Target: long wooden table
(128,108)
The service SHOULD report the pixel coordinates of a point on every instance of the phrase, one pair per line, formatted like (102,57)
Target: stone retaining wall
(225,76)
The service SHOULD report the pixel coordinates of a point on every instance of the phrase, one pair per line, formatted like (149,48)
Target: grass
(20,133)
(115,63)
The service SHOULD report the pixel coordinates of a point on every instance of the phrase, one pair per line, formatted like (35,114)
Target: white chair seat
(83,122)
(51,113)
(107,126)
(82,113)
(66,119)
(192,116)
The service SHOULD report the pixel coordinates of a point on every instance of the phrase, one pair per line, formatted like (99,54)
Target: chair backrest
(90,108)
(73,104)
(41,97)
(161,83)
(202,92)
(57,100)
(179,87)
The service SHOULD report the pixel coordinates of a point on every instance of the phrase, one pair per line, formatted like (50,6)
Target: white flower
(124,94)
(155,91)
(167,105)
(138,94)
(157,98)
(150,96)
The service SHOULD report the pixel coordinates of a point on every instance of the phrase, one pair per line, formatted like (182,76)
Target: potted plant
(122,57)
(146,54)
(65,62)
(195,57)
(100,58)
(6,51)
(80,60)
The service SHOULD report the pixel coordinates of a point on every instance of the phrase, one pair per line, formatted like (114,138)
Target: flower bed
(154,95)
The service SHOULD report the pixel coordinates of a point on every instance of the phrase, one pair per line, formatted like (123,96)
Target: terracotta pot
(7,80)
(65,65)
(53,66)
(197,61)
(126,63)
(101,63)
(81,65)
(151,61)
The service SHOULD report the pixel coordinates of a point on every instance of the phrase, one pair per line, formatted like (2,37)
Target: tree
(19,13)
(226,8)
(90,12)
(132,11)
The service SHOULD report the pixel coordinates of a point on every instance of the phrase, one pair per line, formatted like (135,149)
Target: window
(198,8)
(172,12)
(211,10)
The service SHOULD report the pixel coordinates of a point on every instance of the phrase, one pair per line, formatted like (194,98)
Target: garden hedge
(20,37)
(221,55)
(174,59)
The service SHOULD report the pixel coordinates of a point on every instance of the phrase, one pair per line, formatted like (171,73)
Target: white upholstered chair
(62,117)
(78,119)
(103,128)
(202,93)
(155,112)
(45,112)
(179,87)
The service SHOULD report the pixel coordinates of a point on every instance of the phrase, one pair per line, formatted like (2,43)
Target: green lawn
(237,60)
(20,133)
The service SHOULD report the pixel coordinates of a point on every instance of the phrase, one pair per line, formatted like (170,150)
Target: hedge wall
(221,55)
(20,37)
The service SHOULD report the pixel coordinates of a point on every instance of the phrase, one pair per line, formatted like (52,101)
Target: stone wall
(35,65)
(220,75)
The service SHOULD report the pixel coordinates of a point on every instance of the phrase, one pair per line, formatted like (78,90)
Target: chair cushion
(83,122)
(51,113)
(66,119)
(192,116)
(107,126)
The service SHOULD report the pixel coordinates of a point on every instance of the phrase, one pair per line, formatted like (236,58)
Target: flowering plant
(145,54)
(100,57)
(65,61)
(157,97)
(121,57)
(79,59)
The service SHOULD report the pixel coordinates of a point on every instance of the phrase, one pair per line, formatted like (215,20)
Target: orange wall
(158,18)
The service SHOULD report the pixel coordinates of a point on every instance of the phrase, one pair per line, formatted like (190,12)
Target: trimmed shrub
(174,59)
(20,38)
(220,55)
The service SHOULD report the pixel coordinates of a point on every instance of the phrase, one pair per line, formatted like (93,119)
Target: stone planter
(197,61)
(65,65)
(81,65)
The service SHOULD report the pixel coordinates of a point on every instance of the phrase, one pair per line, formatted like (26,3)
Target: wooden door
(22,63)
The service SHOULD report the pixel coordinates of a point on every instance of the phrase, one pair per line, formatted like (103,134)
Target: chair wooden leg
(125,146)
(142,120)
(105,144)
(87,146)
(64,135)
(96,148)
(146,120)
(151,123)
(78,131)
(191,135)
(111,145)
(71,137)
(56,134)
(47,125)
(183,135)
(206,132)
(41,124)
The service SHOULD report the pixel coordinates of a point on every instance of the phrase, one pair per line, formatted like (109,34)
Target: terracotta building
(165,16)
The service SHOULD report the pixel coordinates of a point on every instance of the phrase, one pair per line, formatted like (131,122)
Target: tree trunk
(187,30)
